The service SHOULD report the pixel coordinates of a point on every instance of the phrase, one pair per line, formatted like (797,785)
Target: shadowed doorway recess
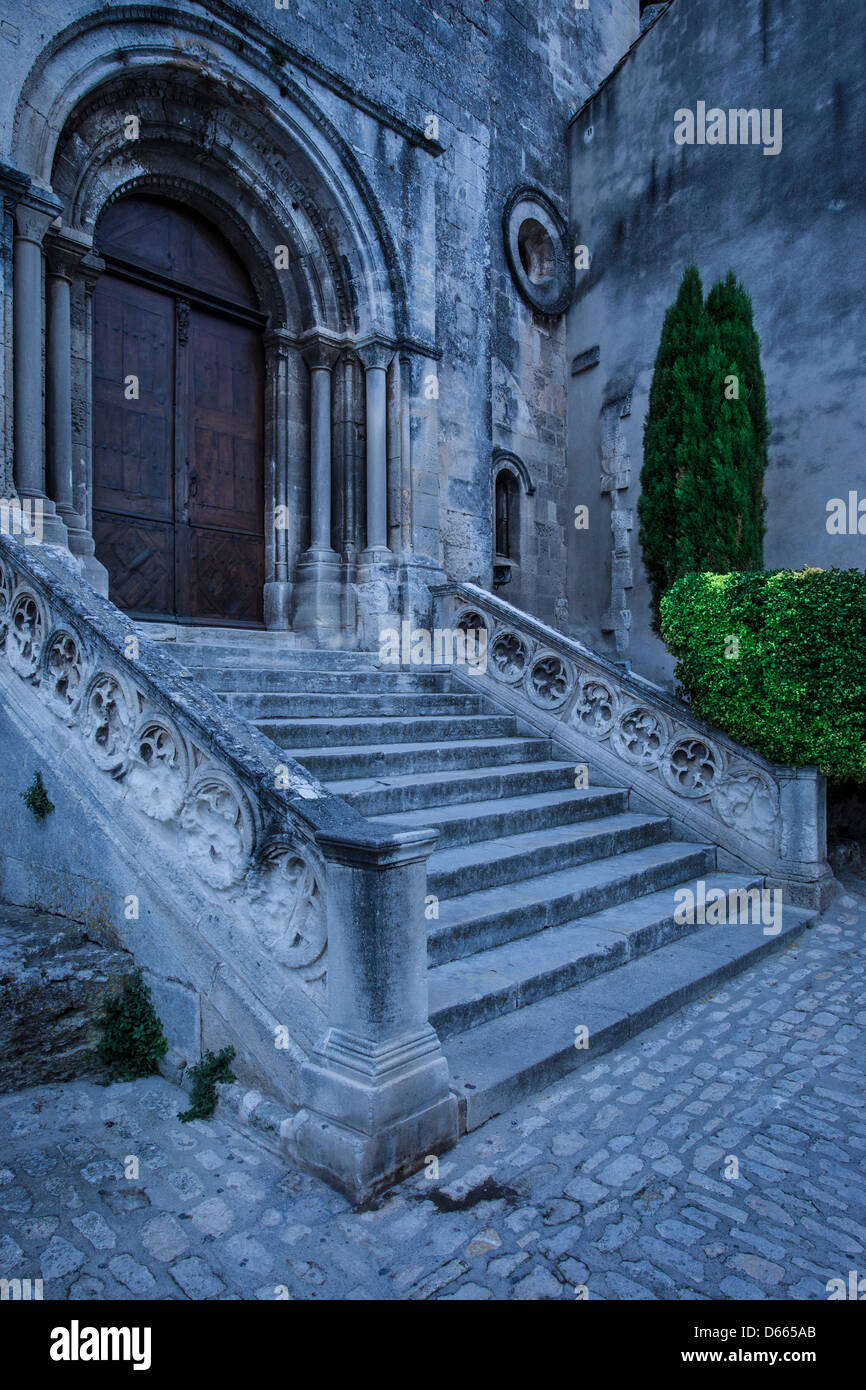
(178,391)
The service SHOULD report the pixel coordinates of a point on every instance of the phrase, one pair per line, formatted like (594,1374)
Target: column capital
(320,353)
(35,214)
(89,268)
(279,342)
(376,353)
(65,249)
(13,186)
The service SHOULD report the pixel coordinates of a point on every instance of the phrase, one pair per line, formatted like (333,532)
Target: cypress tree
(673,426)
(730,308)
(702,505)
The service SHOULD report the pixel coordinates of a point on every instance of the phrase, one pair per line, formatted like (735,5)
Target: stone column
(280,519)
(351,540)
(13,186)
(394,414)
(406,480)
(87,274)
(33,217)
(376,1097)
(420,538)
(58,378)
(318,587)
(376,357)
(320,359)
(378,587)
(65,252)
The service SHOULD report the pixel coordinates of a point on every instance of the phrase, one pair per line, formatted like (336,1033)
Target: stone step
(52,979)
(261,704)
(467,992)
(191,634)
(348,732)
(523,856)
(387,795)
(276,658)
(479,920)
(390,759)
(308,681)
(494,1065)
(487,820)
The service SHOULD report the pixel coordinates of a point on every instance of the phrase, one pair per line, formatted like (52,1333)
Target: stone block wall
(501,79)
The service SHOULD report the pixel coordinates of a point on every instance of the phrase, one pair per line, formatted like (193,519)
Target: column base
(373,1114)
(50,529)
(417,576)
(378,591)
(95,573)
(376,557)
(82,547)
(278,605)
(362,1165)
(318,593)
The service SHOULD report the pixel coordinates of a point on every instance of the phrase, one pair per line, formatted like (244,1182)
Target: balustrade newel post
(375,1094)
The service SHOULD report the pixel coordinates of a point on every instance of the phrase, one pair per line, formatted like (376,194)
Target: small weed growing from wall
(36,798)
(205,1075)
(132,1038)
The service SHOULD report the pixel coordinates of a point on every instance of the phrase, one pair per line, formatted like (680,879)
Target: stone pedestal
(376,1098)
(804,874)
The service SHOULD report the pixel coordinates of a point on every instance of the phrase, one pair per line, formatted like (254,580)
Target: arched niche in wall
(512,498)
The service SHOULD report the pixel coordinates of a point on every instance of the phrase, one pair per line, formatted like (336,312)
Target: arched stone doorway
(178,392)
(348,311)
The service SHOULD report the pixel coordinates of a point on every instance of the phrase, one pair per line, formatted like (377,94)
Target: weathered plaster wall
(792,227)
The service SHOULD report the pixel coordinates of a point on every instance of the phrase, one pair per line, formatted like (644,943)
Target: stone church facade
(379,213)
(320,195)
(297,348)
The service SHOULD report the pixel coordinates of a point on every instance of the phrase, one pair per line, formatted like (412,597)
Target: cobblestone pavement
(613,1179)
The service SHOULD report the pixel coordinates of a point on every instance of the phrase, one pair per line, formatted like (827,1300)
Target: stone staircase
(550,907)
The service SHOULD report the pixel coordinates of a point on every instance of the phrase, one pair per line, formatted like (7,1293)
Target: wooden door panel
(226,576)
(225,425)
(175,242)
(133,335)
(139,557)
(226,490)
(178,477)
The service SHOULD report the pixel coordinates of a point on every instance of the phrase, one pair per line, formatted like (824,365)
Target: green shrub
(702,502)
(205,1075)
(777,660)
(36,798)
(132,1041)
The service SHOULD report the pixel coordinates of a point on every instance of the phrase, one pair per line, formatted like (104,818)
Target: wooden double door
(178,386)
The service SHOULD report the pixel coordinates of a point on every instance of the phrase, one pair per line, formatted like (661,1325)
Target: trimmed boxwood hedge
(793,684)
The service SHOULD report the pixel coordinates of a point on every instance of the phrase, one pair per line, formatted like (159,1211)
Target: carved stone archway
(181,109)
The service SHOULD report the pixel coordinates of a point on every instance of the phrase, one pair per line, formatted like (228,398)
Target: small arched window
(507,516)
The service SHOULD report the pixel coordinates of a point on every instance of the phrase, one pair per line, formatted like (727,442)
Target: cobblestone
(613,1178)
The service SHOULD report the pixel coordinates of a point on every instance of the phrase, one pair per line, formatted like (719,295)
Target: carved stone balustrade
(285,923)
(759,814)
